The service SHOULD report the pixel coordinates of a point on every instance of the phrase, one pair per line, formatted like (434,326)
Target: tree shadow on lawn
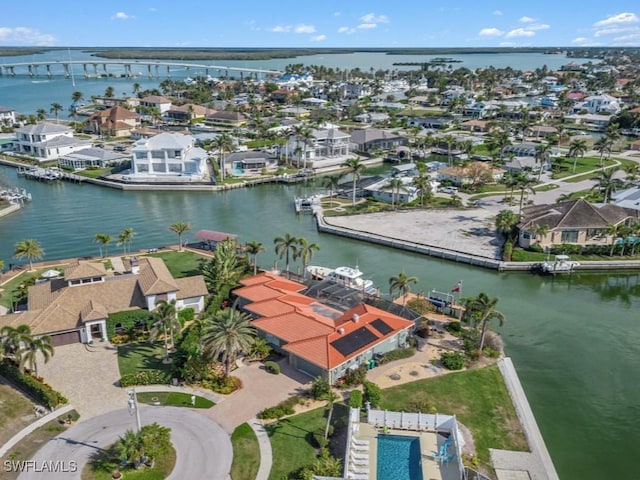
(147,356)
(105,460)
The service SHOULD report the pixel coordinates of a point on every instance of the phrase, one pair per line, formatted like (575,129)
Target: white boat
(189,81)
(561,264)
(306,204)
(348,276)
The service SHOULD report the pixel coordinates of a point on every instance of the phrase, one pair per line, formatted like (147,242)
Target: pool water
(399,458)
(237,168)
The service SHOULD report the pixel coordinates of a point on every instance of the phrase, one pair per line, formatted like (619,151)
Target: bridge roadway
(31,68)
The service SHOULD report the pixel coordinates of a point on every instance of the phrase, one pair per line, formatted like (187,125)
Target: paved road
(203,449)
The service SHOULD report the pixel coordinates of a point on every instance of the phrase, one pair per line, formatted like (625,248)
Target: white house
(169,155)
(603,104)
(48,141)
(156,101)
(7,115)
(382,191)
(328,146)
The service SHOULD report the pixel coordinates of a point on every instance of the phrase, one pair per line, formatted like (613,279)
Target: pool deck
(430,442)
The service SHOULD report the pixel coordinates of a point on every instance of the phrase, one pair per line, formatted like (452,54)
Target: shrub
(41,392)
(372,393)
(454,328)
(128,320)
(491,353)
(186,315)
(397,354)
(355,399)
(320,388)
(272,367)
(452,360)
(420,305)
(284,408)
(318,438)
(354,378)
(536,247)
(223,385)
(144,377)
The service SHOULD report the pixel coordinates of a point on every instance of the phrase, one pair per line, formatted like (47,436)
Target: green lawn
(522,255)
(94,172)
(173,399)
(181,264)
(583,165)
(11,285)
(291,442)
(16,412)
(136,357)
(478,398)
(246,453)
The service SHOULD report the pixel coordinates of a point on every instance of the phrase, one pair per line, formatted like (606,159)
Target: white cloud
(614,31)
(366,26)
(373,18)
(520,32)
(281,29)
(121,16)
(620,18)
(337,14)
(498,13)
(580,41)
(318,38)
(302,28)
(491,32)
(153,9)
(628,38)
(527,19)
(25,36)
(507,44)
(538,26)
(345,30)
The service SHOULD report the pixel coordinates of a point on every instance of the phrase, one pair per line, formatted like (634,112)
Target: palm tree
(423,183)
(542,156)
(539,230)
(332,183)
(602,146)
(305,251)
(396,185)
(166,321)
(14,340)
(355,167)
(306,136)
(223,143)
(32,348)
(30,249)
(131,447)
(109,92)
(41,114)
(506,220)
(286,246)
(125,237)
(227,334)
(612,231)
(331,397)
(76,97)
(402,282)
(103,240)
(136,88)
(253,248)
(55,109)
(180,228)
(525,185)
(577,148)
(607,184)
(481,310)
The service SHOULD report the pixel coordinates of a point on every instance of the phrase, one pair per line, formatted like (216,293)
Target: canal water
(574,340)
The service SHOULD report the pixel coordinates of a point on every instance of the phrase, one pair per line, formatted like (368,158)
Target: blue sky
(304,23)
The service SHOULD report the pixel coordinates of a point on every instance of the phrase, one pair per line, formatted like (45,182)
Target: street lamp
(133,406)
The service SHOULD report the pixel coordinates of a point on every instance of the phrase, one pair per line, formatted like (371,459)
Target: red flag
(457,287)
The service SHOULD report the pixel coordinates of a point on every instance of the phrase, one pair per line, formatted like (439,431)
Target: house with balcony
(368,139)
(167,155)
(188,112)
(75,306)
(159,102)
(318,339)
(7,116)
(115,122)
(598,104)
(47,141)
(328,146)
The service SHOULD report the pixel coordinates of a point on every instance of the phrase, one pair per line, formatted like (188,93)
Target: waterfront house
(47,141)
(318,339)
(593,120)
(574,222)
(628,198)
(252,162)
(188,112)
(328,146)
(115,122)
(168,155)
(382,191)
(226,119)
(472,174)
(93,157)
(75,307)
(368,139)
(7,116)
(156,101)
(598,104)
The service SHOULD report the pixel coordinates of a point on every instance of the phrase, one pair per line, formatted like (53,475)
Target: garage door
(65,338)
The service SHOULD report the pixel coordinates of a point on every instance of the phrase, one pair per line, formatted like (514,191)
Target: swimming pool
(399,458)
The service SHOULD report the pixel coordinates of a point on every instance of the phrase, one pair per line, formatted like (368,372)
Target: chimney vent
(355,318)
(341,330)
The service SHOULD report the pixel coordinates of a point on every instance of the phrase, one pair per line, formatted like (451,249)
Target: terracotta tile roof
(84,270)
(154,277)
(190,287)
(293,327)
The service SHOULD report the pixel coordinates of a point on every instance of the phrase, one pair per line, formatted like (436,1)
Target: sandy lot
(470,231)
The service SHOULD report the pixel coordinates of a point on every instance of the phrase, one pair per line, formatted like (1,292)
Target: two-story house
(168,155)
(115,122)
(47,141)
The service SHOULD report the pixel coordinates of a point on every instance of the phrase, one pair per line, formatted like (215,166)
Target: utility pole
(133,407)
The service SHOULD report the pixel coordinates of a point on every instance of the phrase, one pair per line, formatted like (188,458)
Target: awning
(50,274)
(212,236)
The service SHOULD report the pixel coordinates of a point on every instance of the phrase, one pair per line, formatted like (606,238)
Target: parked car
(119,148)
(449,190)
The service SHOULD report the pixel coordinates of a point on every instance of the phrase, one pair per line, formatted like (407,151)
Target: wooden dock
(48,174)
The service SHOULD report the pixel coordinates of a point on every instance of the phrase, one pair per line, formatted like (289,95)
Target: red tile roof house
(318,339)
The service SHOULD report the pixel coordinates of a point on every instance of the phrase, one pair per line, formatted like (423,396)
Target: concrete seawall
(10,209)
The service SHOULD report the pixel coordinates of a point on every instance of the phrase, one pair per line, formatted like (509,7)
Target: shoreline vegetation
(250,53)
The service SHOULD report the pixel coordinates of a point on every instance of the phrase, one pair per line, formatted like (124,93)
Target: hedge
(397,354)
(452,360)
(282,409)
(145,377)
(372,394)
(40,391)
(127,319)
(355,399)
(223,385)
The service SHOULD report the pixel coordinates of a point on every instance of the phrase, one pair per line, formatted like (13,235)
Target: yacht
(348,276)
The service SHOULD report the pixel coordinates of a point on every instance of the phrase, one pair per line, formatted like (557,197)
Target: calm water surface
(574,340)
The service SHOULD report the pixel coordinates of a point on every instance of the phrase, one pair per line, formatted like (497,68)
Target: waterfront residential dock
(48,174)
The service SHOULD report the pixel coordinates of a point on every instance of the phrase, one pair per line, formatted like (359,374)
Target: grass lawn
(522,255)
(94,173)
(173,399)
(478,398)
(16,412)
(29,445)
(104,462)
(14,283)
(136,357)
(246,453)
(291,442)
(547,187)
(583,165)
(181,264)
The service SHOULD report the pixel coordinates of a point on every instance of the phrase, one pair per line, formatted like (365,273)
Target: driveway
(203,449)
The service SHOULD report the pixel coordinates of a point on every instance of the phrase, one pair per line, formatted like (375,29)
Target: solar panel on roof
(354,341)
(381,326)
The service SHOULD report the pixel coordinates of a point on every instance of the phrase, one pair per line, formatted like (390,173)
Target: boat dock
(48,174)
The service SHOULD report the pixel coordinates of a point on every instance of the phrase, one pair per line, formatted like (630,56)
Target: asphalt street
(203,448)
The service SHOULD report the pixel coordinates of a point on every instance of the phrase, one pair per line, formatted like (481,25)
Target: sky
(316,24)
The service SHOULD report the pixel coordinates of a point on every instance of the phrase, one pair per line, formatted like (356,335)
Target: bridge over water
(132,68)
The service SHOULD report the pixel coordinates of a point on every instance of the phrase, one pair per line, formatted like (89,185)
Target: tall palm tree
(41,114)
(395,184)
(525,185)
(543,152)
(14,339)
(355,168)
(130,446)
(481,310)
(180,228)
(423,183)
(109,92)
(402,282)
(55,109)
(506,220)
(253,248)
(306,136)
(577,148)
(607,184)
(30,249)
(33,347)
(76,97)
(136,88)
(331,183)
(223,143)
(227,334)
(305,251)
(612,231)
(285,247)
(125,237)
(103,240)
(165,320)
(602,146)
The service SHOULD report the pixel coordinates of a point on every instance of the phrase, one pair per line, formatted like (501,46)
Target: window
(569,236)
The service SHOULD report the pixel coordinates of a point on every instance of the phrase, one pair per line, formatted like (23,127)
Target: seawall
(10,209)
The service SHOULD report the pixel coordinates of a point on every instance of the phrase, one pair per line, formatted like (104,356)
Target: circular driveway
(203,448)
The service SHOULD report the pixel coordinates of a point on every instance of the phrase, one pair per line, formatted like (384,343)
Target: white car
(449,189)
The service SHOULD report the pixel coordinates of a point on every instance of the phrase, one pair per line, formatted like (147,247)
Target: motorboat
(306,204)
(561,264)
(348,276)
(549,101)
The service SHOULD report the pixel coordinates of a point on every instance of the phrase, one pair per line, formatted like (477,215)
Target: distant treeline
(15,51)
